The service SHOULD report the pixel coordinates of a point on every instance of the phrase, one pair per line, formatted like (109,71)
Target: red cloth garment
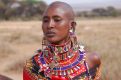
(26,76)
(71,65)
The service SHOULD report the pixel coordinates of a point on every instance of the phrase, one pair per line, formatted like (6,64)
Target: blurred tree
(35,7)
(2,9)
(5,9)
(21,9)
(112,11)
(100,12)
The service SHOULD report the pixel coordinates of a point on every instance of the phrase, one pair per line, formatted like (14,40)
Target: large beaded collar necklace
(66,59)
(60,52)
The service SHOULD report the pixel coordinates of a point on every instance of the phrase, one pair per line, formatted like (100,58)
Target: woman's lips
(50,34)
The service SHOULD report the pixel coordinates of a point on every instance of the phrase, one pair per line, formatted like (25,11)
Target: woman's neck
(61,48)
(61,42)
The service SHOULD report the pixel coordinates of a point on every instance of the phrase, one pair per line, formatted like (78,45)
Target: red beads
(59,78)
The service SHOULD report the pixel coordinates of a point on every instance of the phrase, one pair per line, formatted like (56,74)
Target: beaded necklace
(58,53)
(69,61)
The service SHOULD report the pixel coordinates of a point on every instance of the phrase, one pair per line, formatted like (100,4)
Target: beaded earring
(44,43)
(73,36)
(71,31)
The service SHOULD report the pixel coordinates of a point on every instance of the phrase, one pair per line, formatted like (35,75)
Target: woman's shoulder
(33,61)
(93,59)
(32,67)
(94,63)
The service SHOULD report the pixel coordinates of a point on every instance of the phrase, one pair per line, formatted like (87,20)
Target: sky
(84,1)
(89,4)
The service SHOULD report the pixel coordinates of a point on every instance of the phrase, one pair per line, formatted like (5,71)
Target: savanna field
(20,39)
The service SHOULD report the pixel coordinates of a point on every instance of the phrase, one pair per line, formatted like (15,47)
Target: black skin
(58,19)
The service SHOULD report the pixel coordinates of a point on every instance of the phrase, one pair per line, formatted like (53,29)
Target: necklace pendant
(52,64)
(64,73)
(46,53)
(56,58)
(68,71)
(62,57)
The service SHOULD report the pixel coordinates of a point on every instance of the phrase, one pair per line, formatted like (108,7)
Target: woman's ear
(73,25)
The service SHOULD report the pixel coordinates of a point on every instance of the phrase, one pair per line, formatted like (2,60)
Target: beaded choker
(60,48)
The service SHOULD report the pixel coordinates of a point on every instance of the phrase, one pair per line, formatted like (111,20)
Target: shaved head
(58,19)
(64,6)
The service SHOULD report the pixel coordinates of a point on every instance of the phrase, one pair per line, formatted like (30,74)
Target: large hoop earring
(72,32)
(44,43)
(73,36)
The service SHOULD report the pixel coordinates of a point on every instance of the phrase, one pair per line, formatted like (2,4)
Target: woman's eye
(45,20)
(57,20)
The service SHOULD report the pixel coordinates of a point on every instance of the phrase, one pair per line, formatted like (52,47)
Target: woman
(62,58)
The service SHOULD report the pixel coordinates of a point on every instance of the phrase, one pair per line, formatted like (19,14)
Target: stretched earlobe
(72,33)
(44,43)
(73,26)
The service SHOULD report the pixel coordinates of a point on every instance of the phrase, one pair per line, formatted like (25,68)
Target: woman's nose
(51,24)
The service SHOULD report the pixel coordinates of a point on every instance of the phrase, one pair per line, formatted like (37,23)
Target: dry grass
(19,40)
(103,37)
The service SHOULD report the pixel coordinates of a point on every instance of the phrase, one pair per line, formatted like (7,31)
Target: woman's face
(55,25)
